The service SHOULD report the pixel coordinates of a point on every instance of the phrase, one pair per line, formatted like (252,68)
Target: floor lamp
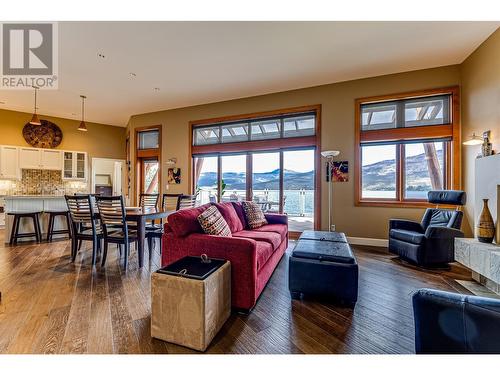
(329,155)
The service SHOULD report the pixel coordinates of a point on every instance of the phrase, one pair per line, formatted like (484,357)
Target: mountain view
(376,176)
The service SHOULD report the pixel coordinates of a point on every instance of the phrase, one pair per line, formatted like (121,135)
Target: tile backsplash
(41,182)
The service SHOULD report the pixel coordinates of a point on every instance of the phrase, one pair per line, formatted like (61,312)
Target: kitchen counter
(38,203)
(7,197)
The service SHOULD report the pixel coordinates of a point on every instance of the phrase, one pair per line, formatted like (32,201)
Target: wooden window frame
(271,145)
(145,154)
(451,131)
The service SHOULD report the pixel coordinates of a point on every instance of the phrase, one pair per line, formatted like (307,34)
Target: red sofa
(254,254)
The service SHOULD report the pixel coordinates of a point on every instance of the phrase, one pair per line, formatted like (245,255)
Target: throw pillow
(254,215)
(212,222)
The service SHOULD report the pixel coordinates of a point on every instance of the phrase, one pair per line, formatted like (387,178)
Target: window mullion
(400,178)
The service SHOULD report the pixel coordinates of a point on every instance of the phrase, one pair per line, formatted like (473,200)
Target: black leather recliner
(451,323)
(430,242)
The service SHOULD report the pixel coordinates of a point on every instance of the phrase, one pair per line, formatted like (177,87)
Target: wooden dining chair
(83,226)
(149,200)
(115,227)
(169,202)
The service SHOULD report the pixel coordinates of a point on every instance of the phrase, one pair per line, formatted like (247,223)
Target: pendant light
(35,120)
(83,126)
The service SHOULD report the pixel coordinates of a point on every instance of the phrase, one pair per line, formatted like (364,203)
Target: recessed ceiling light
(157,89)
(2,102)
(100,55)
(133,75)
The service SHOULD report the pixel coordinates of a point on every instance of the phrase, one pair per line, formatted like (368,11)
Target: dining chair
(83,226)
(149,200)
(115,227)
(169,202)
(186,201)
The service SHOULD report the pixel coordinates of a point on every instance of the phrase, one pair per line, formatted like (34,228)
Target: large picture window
(406,145)
(269,158)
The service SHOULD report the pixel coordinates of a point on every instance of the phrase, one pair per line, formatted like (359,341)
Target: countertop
(11,197)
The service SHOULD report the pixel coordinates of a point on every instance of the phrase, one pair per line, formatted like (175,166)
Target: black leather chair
(451,323)
(432,241)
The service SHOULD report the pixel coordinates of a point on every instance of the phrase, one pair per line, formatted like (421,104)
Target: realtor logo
(29,55)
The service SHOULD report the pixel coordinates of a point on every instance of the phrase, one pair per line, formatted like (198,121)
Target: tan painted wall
(100,140)
(337,102)
(480,75)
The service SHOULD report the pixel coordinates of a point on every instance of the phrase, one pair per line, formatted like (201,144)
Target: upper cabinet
(9,162)
(29,158)
(51,159)
(40,158)
(74,165)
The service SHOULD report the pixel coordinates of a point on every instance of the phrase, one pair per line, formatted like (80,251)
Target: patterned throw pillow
(212,222)
(253,213)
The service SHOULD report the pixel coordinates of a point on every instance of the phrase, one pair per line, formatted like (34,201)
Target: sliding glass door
(206,178)
(266,186)
(298,189)
(234,178)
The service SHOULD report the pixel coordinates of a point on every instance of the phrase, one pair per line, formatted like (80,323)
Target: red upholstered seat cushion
(270,237)
(263,252)
(281,229)
(184,222)
(230,215)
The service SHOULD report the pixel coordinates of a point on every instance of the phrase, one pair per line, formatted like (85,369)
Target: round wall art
(47,135)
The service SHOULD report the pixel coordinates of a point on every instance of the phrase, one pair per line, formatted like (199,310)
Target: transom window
(406,145)
(285,126)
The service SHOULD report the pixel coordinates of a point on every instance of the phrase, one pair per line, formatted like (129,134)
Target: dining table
(141,215)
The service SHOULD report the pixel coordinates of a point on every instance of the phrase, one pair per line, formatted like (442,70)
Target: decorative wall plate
(47,135)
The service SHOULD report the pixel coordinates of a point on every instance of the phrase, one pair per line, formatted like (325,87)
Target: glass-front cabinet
(75,165)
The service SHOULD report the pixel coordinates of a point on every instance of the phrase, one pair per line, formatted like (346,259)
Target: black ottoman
(323,265)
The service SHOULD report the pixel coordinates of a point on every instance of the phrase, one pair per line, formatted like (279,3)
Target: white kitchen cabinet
(51,159)
(74,165)
(30,158)
(9,162)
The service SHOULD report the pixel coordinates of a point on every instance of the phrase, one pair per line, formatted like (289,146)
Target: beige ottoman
(187,311)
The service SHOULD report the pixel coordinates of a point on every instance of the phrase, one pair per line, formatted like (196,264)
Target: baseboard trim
(378,242)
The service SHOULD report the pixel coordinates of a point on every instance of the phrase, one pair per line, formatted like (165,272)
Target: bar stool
(50,228)
(15,235)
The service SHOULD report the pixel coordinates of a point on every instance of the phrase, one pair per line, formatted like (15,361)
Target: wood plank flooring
(50,305)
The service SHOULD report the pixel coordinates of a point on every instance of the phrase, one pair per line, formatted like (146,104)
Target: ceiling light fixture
(133,75)
(34,119)
(83,126)
(474,140)
(157,89)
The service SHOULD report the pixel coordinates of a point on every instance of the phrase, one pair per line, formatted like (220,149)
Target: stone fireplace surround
(484,259)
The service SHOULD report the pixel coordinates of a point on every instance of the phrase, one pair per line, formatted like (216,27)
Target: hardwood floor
(50,305)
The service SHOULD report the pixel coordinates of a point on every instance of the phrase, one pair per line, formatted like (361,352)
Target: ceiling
(179,64)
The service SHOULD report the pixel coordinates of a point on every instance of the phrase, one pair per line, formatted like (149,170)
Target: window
(148,139)
(406,145)
(275,127)
(270,158)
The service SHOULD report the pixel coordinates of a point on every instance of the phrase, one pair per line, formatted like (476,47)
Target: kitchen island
(41,203)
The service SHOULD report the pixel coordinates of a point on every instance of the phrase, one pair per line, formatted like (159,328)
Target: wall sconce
(474,140)
(171,161)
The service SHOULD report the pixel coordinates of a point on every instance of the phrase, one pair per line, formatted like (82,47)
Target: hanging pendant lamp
(34,119)
(83,126)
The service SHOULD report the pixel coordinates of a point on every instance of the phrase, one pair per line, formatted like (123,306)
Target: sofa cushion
(212,222)
(263,251)
(241,213)
(232,218)
(407,236)
(254,215)
(270,237)
(281,229)
(184,222)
